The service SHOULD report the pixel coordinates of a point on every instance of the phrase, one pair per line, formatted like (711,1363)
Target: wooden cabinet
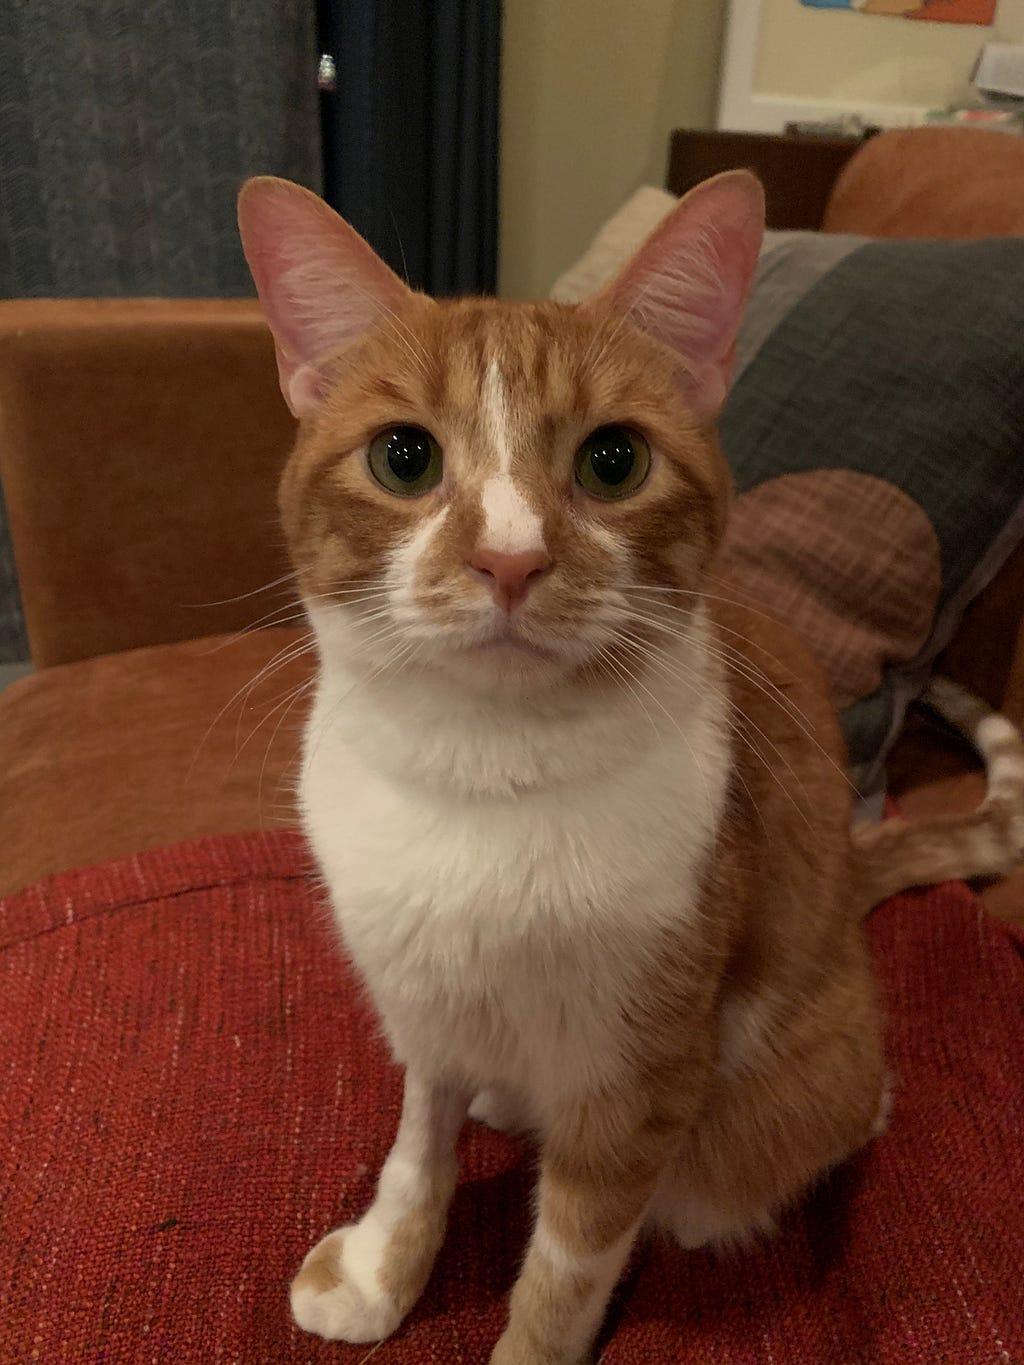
(798,172)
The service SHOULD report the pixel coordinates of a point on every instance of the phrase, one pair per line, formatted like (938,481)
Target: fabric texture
(411,134)
(127,131)
(141,443)
(133,750)
(194,1090)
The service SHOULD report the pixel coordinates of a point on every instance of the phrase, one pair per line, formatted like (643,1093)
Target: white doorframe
(741,110)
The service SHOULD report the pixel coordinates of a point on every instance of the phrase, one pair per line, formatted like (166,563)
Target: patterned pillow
(876,436)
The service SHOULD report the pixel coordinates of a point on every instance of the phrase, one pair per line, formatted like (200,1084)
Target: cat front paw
(513,1349)
(337,1292)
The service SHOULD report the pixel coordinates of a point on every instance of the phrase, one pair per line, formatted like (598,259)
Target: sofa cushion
(129,751)
(194,1089)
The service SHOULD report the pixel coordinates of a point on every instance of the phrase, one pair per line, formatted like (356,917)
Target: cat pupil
(612,457)
(408,453)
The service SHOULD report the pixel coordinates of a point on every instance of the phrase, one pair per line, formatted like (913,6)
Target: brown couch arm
(140,446)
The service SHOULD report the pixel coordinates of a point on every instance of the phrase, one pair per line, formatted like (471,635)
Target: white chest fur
(501,873)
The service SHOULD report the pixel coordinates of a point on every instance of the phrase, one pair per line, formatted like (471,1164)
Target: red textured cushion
(192,1090)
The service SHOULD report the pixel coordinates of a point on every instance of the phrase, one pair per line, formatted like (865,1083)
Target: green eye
(612,462)
(406,460)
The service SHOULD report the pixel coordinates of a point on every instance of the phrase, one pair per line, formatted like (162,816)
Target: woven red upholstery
(192,1091)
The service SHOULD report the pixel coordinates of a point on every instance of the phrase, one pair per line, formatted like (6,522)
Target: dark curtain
(126,128)
(411,134)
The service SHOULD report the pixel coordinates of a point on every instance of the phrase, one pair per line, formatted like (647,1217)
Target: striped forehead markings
(495,405)
(510,525)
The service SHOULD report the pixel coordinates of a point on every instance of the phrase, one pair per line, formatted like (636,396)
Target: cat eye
(612,462)
(406,460)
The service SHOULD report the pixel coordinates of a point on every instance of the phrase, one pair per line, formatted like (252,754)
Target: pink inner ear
(688,284)
(321,286)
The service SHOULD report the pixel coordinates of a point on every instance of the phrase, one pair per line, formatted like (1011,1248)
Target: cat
(582,814)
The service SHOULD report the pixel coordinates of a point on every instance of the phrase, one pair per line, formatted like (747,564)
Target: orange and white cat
(582,817)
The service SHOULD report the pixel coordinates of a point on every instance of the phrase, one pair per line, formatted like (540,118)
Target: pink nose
(509,576)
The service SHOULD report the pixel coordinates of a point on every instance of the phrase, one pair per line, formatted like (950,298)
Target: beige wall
(590,91)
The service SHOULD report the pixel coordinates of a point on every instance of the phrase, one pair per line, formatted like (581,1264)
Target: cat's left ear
(688,284)
(322,287)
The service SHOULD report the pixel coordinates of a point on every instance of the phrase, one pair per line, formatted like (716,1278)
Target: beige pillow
(614,244)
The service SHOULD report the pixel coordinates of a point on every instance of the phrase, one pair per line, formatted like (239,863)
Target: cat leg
(769,1131)
(694,1221)
(359,1282)
(596,1179)
(500,1110)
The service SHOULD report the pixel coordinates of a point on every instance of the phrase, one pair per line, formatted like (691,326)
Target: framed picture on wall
(787,61)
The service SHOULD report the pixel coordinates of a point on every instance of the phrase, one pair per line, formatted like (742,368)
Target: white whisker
(241,597)
(669,665)
(296,695)
(306,644)
(263,623)
(742,665)
(606,656)
(672,721)
(400,656)
(294,649)
(284,701)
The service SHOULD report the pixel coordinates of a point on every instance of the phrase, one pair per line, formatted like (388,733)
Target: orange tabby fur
(754,1052)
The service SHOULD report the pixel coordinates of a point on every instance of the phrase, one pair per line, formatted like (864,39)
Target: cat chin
(504,666)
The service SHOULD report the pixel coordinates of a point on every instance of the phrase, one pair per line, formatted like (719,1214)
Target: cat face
(488,489)
(502,476)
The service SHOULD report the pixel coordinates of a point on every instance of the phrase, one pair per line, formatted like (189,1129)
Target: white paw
(337,1293)
(498,1110)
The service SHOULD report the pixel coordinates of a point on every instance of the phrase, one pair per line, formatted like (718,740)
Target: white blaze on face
(511,526)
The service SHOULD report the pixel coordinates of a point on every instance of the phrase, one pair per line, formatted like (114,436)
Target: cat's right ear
(688,283)
(321,285)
